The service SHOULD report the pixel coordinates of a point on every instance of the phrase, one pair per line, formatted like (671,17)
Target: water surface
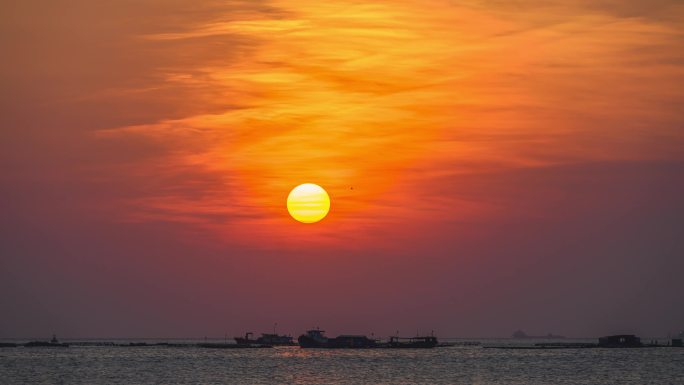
(452,365)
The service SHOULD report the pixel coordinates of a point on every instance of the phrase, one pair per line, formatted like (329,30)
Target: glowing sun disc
(308,203)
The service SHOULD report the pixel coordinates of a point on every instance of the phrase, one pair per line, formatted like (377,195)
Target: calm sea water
(292,365)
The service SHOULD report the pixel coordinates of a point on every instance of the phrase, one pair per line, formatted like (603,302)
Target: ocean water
(292,365)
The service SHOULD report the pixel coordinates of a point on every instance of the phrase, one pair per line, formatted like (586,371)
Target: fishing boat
(620,341)
(316,338)
(213,345)
(426,342)
(53,343)
(265,339)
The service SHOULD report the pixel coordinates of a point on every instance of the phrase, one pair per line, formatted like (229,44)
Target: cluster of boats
(316,338)
(614,341)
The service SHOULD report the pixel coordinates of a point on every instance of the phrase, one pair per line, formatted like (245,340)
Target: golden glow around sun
(308,203)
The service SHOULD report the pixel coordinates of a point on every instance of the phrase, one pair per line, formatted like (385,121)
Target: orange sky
(371,99)
(480,140)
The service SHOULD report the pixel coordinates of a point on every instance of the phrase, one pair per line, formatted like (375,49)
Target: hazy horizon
(230,337)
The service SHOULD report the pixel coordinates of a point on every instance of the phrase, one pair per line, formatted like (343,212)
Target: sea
(96,362)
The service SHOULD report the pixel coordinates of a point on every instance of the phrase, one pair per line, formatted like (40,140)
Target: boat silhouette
(315,338)
(413,342)
(53,343)
(270,339)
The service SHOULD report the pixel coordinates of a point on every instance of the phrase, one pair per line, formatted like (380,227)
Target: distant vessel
(54,343)
(316,338)
(620,341)
(615,341)
(521,335)
(265,339)
(413,342)
(213,345)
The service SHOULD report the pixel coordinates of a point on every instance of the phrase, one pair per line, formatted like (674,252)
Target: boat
(53,343)
(265,339)
(620,341)
(215,345)
(519,334)
(426,342)
(316,338)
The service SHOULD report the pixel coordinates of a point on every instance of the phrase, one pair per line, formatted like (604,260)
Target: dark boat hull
(316,339)
(266,339)
(44,344)
(417,345)
(341,342)
(230,346)
(413,343)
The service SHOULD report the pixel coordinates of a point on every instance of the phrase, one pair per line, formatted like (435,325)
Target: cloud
(359,94)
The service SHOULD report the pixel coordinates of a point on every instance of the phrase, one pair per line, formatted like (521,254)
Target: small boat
(519,334)
(620,341)
(53,343)
(316,338)
(426,342)
(214,345)
(265,339)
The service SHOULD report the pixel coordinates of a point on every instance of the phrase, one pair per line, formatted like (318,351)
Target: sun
(308,203)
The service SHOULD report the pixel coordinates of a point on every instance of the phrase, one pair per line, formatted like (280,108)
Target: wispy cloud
(353,96)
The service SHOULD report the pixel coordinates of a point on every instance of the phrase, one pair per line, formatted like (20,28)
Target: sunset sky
(491,166)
